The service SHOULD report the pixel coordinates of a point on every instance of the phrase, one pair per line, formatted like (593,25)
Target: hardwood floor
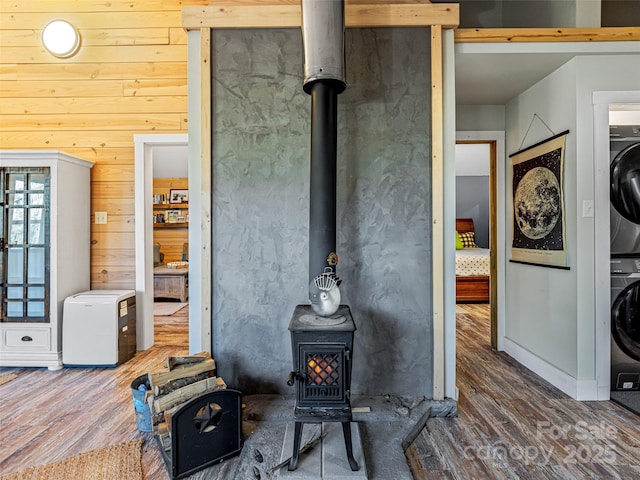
(512,424)
(47,416)
(172,330)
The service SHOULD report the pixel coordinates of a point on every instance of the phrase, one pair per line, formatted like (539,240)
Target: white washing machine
(99,328)
(625,324)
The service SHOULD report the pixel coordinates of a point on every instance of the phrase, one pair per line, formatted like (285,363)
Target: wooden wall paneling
(91,37)
(112,172)
(171,242)
(9,72)
(108,105)
(175,236)
(113,206)
(61,88)
(120,223)
(86,20)
(92,121)
(130,76)
(110,190)
(61,140)
(13,6)
(106,240)
(163,185)
(164,86)
(103,155)
(112,277)
(88,53)
(100,71)
(113,256)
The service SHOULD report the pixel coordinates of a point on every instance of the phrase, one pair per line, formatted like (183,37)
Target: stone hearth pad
(328,459)
(382,431)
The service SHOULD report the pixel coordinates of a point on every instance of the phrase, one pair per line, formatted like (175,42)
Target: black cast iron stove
(321,348)
(322,333)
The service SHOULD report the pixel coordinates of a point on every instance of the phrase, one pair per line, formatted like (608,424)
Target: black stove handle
(293,376)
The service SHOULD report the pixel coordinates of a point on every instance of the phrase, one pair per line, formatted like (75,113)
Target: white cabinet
(45,222)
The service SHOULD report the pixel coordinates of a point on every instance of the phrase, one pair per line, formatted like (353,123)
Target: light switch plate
(101,218)
(587,208)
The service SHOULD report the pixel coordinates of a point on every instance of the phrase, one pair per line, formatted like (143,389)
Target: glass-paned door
(24,262)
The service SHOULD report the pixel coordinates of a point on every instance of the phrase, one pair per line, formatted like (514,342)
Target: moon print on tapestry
(538,207)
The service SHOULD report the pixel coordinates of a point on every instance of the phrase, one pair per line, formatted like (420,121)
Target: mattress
(472,261)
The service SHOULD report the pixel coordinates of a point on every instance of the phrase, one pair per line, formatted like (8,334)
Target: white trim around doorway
(144,229)
(498,137)
(602,247)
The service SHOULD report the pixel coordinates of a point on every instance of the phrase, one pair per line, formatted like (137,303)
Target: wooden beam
(437,210)
(402,15)
(513,35)
(279,14)
(493,240)
(206,190)
(241,16)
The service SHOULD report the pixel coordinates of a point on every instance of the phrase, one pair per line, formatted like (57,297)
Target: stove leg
(346,429)
(297,436)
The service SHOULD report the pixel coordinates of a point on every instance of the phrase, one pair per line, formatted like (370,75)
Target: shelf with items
(171,205)
(174,215)
(171,225)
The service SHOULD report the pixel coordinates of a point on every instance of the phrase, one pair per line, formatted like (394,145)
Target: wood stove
(322,333)
(322,353)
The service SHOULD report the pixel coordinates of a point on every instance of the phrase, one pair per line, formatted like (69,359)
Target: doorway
(605,103)
(145,145)
(494,140)
(170,243)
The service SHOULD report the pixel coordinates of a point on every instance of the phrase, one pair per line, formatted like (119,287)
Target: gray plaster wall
(261,124)
(472,201)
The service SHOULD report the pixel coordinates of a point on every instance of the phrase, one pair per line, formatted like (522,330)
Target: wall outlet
(587,208)
(101,218)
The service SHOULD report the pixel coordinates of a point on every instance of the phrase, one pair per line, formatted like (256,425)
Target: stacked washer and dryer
(625,257)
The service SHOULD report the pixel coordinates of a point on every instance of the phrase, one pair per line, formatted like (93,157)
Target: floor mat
(629,400)
(163,309)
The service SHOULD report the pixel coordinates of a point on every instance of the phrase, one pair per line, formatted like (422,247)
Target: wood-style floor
(514,425)
(511,424)
(46,416)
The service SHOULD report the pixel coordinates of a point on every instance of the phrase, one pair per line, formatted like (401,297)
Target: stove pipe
(323,42)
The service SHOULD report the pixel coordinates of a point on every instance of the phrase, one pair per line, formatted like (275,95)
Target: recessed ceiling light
(61,38)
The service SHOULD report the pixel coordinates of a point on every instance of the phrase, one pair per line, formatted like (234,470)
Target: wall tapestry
(538,204)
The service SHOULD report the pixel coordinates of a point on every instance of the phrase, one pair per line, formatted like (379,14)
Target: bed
(472,268)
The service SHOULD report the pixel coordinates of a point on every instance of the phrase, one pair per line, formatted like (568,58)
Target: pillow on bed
(459,245)
(468,240)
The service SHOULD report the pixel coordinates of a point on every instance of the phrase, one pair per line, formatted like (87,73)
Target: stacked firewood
(168,388)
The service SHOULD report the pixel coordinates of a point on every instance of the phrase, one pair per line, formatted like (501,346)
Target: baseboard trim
(583,390)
